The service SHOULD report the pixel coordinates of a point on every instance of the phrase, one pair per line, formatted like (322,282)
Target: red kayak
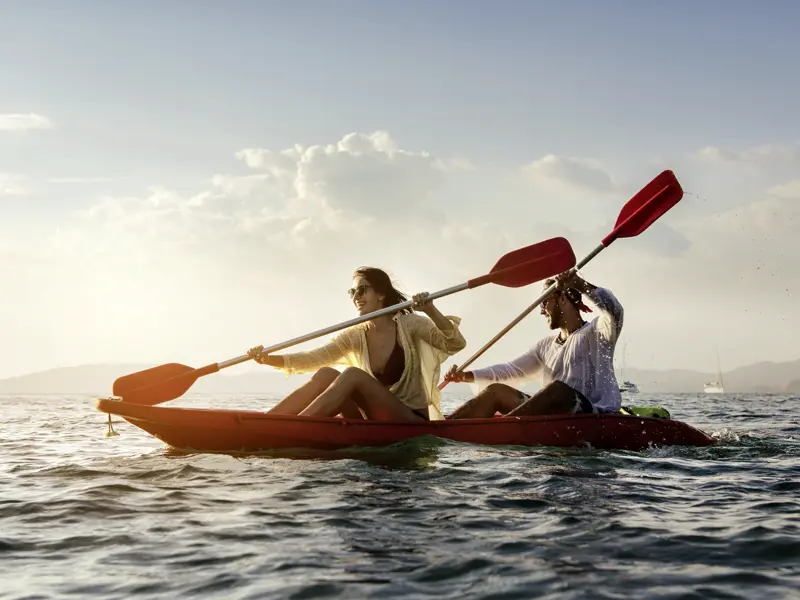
(210,430)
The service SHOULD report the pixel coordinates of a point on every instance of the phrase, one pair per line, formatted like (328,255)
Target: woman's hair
(382,285)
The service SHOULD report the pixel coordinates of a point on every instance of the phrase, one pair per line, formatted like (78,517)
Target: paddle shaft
(345,324)
(526,312)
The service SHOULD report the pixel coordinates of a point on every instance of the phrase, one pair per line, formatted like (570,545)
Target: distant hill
(765,377)
(99,379)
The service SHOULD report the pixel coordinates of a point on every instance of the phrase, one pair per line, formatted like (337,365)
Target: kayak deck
(222,430)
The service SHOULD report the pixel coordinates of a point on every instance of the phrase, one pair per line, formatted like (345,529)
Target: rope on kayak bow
(110,431)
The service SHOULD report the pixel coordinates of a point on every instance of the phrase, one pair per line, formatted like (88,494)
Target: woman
(393,360)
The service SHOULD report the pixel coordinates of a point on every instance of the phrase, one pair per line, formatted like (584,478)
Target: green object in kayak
(659,412)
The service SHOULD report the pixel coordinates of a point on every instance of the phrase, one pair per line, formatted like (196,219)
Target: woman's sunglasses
(358,291)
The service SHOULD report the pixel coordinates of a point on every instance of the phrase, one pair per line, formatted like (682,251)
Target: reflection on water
(417,454)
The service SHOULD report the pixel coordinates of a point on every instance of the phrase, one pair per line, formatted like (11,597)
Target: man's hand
(571,279)
(452,376)
(566,280)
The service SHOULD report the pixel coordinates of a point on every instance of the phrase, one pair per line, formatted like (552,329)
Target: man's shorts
(582,404)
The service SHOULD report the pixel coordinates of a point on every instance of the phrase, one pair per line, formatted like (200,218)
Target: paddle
(515,269)
(641,211)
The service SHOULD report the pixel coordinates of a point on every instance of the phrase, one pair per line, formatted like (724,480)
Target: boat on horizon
(627,386)
(717,386)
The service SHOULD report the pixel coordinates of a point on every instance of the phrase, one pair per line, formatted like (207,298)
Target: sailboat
(626,387)
(715,387)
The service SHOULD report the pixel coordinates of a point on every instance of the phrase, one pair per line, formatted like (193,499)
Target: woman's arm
(439,331)
(303,362)
(421,303)
(271,360)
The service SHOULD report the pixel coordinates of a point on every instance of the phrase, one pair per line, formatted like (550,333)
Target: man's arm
(526,365)
(610,309)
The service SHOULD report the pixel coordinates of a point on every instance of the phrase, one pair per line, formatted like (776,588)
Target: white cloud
(767,226)
(757,155)
(12,184)
(455,164)
(716,154)
(360,176)
(299,198)
(788,191)
(79,180)
(23,122)
(580,173)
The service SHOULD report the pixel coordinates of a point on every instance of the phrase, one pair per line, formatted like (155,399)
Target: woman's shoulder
(349,336)
(417,319)
(412,319)
(413,322)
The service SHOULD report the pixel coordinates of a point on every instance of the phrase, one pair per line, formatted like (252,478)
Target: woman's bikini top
(394,367)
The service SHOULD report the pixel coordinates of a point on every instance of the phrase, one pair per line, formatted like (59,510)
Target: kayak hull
(216,430)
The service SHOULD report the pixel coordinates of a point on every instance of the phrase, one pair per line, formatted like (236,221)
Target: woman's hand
(257,354)
(420,302)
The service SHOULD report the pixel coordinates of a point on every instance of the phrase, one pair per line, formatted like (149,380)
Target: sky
(182,181)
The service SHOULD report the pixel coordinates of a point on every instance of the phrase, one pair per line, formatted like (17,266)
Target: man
(576,365)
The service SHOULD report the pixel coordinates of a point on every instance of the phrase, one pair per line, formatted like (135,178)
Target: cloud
(363,199)
(12,184)
(363,175)
(764,154)
(765,226)
(79,180)
(23,122)
(580,173)
(787,191)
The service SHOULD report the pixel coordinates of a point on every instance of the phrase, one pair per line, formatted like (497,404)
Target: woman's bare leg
(350,408)
(357,386)
(299,399)
(306,393)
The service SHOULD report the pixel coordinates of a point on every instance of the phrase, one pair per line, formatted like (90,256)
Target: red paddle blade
(127,383)
(530,264)
(156,385)
(641,211)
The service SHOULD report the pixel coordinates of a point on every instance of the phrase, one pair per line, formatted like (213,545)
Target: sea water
(88,516)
